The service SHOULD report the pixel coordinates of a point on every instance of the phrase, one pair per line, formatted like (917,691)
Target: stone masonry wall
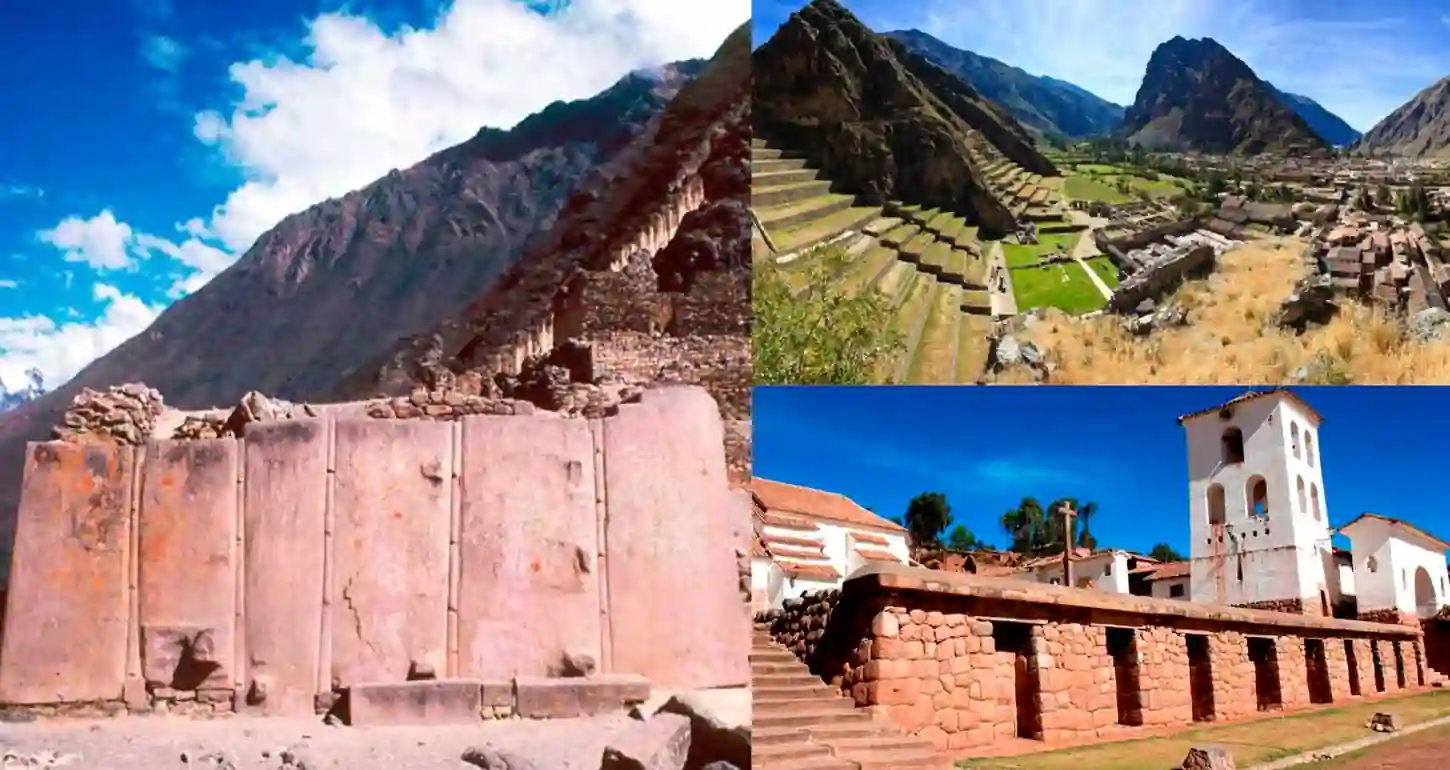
(967,662)
(320,554)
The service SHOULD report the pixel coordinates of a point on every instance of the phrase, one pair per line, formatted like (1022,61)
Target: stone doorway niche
(1316,666)
(1353,663)
(1399,664)
(1265,657)
(1200,677)
(1015,639)
(1123,647)
(1379,666)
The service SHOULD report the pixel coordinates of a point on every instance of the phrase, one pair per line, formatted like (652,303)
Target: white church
(1260,534)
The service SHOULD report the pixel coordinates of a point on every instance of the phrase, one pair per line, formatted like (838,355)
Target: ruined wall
(967,662)
(1156,281)
(319,554)
(722,364)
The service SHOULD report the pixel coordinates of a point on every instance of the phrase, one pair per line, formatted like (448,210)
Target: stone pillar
(1364,666)
(1338,666)
(1164,677)
(1417,670)
(1293,671)
(1233,676)
(1074,702)
(1387,664)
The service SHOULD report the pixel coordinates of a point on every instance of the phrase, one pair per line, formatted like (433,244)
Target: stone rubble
(122,413)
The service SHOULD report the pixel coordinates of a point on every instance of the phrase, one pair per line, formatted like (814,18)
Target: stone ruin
(1154,262)
(971,663)
(438,560)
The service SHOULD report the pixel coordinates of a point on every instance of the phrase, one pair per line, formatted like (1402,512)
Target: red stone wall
(1233,676)
(1363,665)
(1164,654)
(1293,673)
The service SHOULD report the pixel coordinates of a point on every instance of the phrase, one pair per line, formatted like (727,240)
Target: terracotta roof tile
(867,537)
(805,542)
(810,571)
(876,554)
(1177,569)
(786,552)
(1251,396)
(817,504)
(783,521)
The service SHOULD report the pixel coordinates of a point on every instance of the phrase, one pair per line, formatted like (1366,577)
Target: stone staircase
(928,264)
(800,723)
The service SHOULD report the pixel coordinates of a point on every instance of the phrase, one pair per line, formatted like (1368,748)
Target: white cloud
(162,52)
(1359,69)
(9,284)
(359,104)
(101,241)
(60,350)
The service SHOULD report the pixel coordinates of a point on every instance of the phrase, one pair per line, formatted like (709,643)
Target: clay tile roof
(1251,396)
(1396,523)
(867,537)
(817,504)
(795,552)
(757,544)
(810,571)
(801,542)
(1077,553)
(876,554)
(1177,569)
(788,522)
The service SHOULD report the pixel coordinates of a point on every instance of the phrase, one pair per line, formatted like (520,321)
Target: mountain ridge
(1418,128)
(1326,124)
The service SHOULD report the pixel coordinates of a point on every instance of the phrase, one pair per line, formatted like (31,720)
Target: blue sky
(147,143)
(1121,447)
(1359,58)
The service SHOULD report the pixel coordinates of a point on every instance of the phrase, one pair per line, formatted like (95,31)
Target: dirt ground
(250,743)
(1421,751)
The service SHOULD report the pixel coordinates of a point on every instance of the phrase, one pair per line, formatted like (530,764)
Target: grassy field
(1098,182)
(1250,743)
(1231,340)
(1063,286)
(1421,750)
(1087,188)
(1018,254)
(1105,269)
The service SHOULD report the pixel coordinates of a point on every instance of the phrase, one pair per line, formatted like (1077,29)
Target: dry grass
(1262,740)
(1233,341)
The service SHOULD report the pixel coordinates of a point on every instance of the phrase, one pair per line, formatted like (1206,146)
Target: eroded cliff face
(1196,95)
(644,280)
(880,120)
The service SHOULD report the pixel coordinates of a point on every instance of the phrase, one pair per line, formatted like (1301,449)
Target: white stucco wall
(1105,572)
(1398,556)
(838,542)
(1281,554)
(1374,572)
(1163,589)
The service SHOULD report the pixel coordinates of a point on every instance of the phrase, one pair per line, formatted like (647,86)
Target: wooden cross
(1067,513)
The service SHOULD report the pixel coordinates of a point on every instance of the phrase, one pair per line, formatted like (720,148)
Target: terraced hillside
(928,264)
(1024,192)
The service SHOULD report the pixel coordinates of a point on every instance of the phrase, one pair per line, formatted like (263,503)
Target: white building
(1168,581)
(1399,569)
(1259,532)
(808,540)
(1102,570)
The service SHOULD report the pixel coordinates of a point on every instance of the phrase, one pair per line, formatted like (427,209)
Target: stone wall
(315,555)
(1158,280)
(967,661)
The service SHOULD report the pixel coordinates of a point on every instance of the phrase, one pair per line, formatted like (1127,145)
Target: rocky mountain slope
(1049,106)
(1196,95)
(1419,128)
(23,393)
(880,120)
(327,293)
(1326,124)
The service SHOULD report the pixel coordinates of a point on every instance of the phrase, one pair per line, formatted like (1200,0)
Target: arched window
(1294,438)
(1314,501)
(1216,515)
(1309,448)
(1258,496)
(1303,506)
(1233,446)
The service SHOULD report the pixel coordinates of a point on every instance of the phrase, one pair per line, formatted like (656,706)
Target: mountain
(1196,95)
(33,388)
(1325,123)
(1419,128)
(329,291)
(1049,106)
(880,120)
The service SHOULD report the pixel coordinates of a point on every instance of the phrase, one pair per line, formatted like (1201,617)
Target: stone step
(785,195)
(935,257)
(912,250)
(802,749)
(802,212)
(881,226)
(776,165)
(911,319)
(898,236)
(823,229)
(789,679)
(809,717)
(763,179)
(896,284)
(756,142)
(831,733)
(882,741)
(772,655)
(826,762)
(765,153)
(934,360)
(867,272)
(818,690)
(780,667)
(808,702)
(777,736)
(891,760)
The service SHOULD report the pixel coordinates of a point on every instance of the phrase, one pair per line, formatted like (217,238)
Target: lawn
(1105,269)
(1087,188)
(1018,254)
(1262,740)
(1097,182)
(1063,286)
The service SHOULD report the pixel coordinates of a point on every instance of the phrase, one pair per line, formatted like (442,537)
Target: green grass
(1019,255)
(1047,287)
(1261,740)
(1105,269)
(1087,188)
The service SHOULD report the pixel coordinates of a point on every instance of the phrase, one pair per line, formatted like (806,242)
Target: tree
(926,516)
(962,539)
(1382,196)
(1036,530)
(1026,526)
(1164,552)
(817,336)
